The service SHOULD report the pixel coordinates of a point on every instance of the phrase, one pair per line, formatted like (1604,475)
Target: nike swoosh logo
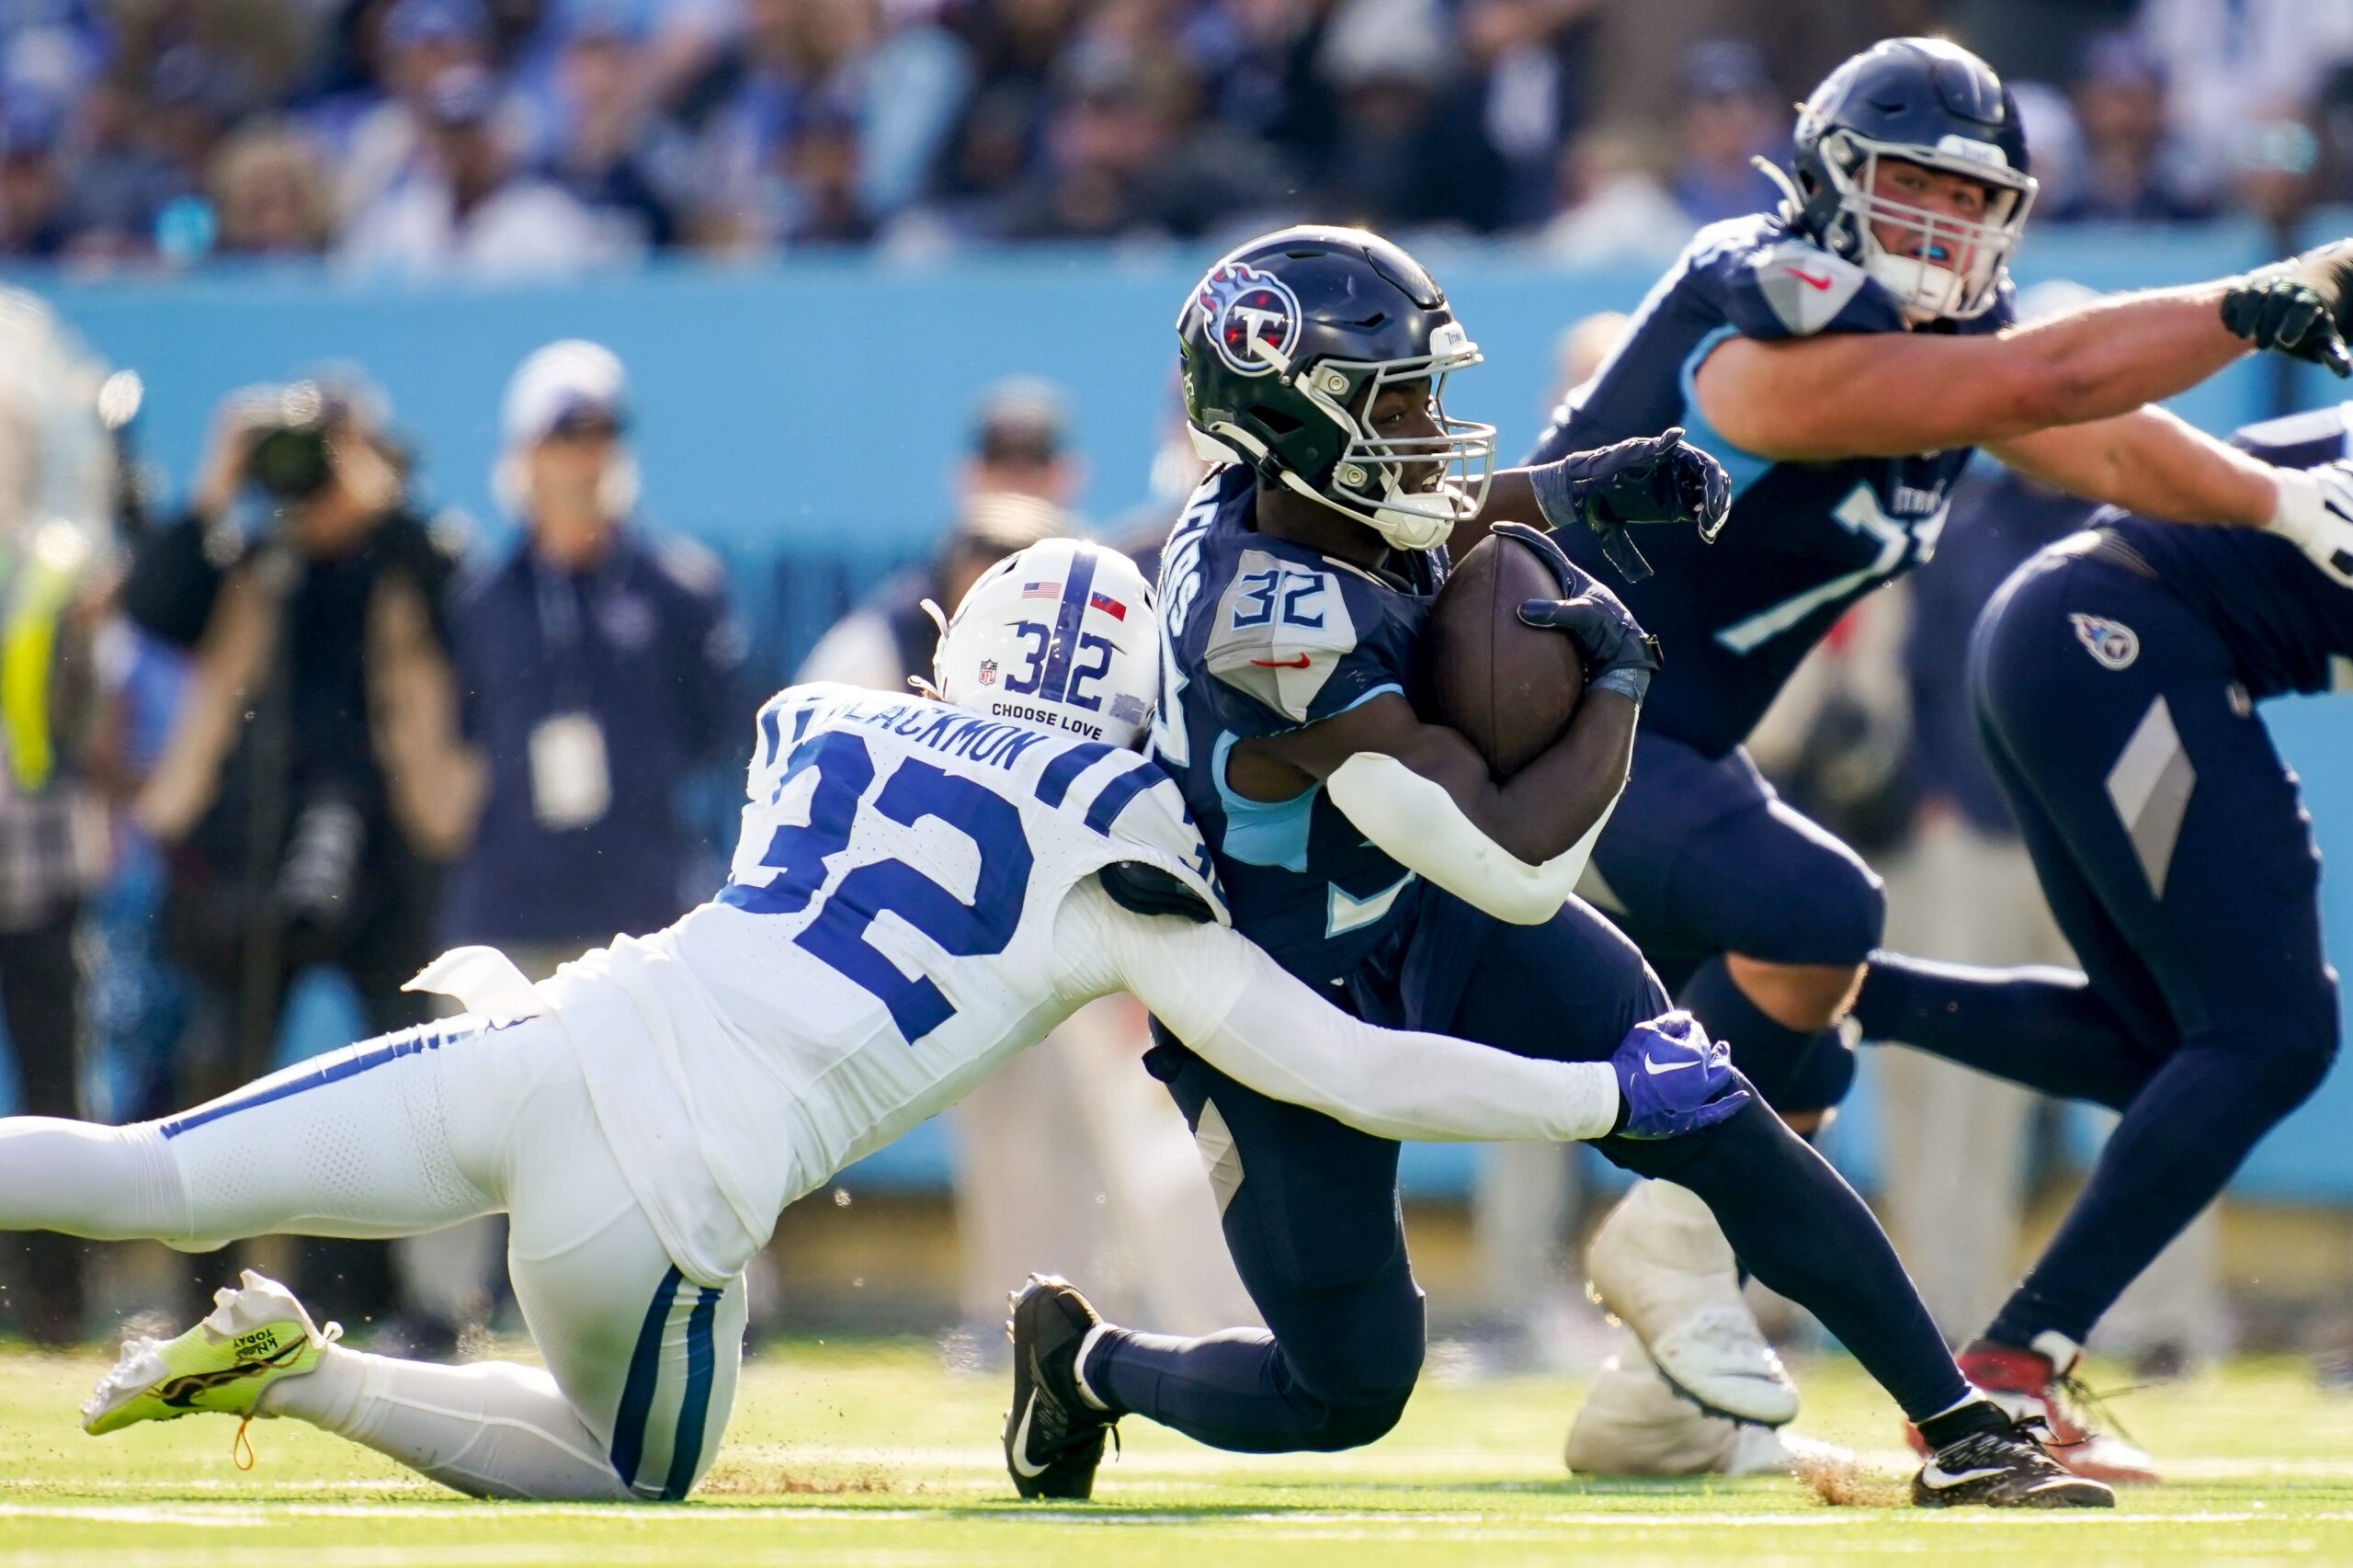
(1298,663)
(1020,1453)
(1939,1480)
(1657,1067)
(1809,279)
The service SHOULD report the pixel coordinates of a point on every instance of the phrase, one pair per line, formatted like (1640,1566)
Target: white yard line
(263,1515)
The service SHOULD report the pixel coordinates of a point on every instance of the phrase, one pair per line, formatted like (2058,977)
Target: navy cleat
(1053,1437)
(2003,1467)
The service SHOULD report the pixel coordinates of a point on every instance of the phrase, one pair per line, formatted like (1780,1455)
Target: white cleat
(1661,1264)
(1634,1423)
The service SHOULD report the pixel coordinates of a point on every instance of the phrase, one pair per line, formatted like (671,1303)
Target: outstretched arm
(1886,394)
(1220,994)
(2150,461)
(1891,393)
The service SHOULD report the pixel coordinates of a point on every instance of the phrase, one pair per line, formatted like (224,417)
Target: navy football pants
(2178,860)
(1703,858)
(1311,1215)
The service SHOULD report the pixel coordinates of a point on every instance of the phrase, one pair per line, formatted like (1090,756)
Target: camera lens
(290,463)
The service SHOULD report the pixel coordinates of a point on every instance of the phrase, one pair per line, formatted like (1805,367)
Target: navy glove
(1651,479)
(1674,1079)
(2302,308)
(1618,654)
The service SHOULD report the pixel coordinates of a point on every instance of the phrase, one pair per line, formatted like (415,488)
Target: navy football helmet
(1926,101)
(1284,345)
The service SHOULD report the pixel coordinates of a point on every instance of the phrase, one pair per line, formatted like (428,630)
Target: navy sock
(1233,1390)
(1797,1225)
(1795,1070)
(2042,1027)
(2180,1142)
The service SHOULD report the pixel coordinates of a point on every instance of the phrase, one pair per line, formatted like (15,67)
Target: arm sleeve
(1417,822)
(1222,996)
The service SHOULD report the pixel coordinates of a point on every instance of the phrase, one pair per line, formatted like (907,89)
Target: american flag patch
(1042,590)
(1109,606)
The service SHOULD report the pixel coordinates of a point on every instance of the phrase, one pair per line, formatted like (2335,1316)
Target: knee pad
(1354,1425)
(1847,917)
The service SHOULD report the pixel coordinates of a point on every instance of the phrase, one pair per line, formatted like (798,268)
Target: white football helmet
(1061,635)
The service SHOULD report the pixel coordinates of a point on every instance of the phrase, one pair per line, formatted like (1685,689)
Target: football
(1508,686)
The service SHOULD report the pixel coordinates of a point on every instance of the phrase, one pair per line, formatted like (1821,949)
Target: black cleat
(1053,1439)
(2004,1468)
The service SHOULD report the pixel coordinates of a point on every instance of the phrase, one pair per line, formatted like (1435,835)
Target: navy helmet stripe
(426,1038)
(1055,686)
(693,1410)
(1056,778)
(644,1371)
(1114,797)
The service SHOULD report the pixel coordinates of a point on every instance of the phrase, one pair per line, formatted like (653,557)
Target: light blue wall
(823,406)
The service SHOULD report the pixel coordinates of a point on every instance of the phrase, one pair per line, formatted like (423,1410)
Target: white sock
(490,1429)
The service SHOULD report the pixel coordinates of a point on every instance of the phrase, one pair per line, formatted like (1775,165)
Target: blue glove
(1674,1079)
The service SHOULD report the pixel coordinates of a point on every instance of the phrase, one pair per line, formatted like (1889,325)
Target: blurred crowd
(505,138)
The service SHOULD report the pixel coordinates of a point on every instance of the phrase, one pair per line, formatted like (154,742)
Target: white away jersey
(884,942)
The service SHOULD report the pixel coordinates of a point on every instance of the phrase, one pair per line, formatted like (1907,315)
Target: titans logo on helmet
(2112,642)
(1242,306)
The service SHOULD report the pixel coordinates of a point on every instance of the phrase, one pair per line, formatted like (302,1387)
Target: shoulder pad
(692,566)
(1280,632)
(1156,828)
(1805,286)
(1148,889)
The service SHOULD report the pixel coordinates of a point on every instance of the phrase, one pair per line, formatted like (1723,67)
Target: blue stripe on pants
(644,1371)
(693,1410)
(350,1065)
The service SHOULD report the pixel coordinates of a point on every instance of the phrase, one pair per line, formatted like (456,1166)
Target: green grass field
(870,1454)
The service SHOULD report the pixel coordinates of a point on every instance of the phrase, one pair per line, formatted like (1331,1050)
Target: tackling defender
(920,890)
(2115,677)
(1374,858)
(1841,356)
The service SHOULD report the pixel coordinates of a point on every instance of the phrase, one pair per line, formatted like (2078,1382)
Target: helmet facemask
(1373,478)
(1958,272)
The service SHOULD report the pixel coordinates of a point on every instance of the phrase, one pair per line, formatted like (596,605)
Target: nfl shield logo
(988,672)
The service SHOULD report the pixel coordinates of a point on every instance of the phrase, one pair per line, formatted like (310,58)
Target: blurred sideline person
(597,665)
(1068,1159)
(315,782)
(54,482)
(1021,445)
(645,1116)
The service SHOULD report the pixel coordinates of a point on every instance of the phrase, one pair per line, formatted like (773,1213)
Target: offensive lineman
(2115,677)
(1373,857)
(1841,356)
(920,890)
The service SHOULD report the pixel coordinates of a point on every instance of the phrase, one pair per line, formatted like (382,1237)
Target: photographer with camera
(315,783)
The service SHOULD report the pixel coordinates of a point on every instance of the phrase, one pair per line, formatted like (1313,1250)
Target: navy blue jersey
(1804,540)
(1259,636)
(2288,625)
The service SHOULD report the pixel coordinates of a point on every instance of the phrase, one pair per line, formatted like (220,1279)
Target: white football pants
(404,1134)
